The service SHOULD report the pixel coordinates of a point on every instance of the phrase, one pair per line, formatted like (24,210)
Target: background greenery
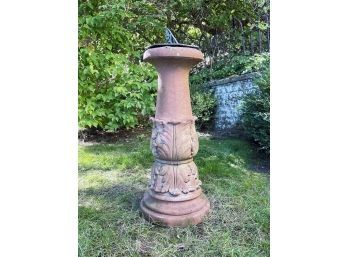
(117,90)
(204,103)
(255,111)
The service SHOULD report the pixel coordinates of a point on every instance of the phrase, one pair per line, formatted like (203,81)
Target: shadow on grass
(124,196)
(115,227)
(111,224)
(116,156)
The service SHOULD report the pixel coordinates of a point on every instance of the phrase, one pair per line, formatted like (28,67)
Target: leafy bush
(255,113)
(203,106)
(127,92)
(229,66)
(115,89)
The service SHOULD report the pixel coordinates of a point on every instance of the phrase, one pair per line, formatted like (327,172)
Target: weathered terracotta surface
(174,197)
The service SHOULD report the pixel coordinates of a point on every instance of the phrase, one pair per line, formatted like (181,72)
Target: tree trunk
(251,42)
(243,41)
(260,41)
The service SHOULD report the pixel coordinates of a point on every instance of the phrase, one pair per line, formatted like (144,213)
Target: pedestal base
(175,213)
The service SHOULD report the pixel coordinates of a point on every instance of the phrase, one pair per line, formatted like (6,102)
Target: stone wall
(229,93)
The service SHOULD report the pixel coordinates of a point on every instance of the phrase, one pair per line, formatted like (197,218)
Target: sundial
(174,196)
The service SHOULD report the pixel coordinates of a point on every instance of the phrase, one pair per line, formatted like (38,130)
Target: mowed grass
(113,178)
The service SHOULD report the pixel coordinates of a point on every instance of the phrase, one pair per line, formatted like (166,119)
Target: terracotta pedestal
(174,197)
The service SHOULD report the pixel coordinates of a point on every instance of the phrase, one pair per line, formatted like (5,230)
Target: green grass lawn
(113,178)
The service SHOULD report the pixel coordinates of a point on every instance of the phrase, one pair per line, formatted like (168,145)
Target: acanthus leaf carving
(161,141)
(175,179)
(174,144)
(174,140)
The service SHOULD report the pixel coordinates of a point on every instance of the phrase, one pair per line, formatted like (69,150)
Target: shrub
(255,113)
(203,106)
(115,90)
(127,92)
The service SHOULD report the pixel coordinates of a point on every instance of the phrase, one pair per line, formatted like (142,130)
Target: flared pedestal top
(161,51)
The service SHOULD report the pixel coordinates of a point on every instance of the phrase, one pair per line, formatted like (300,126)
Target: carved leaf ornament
(174,140)
(174,144)
(175,179)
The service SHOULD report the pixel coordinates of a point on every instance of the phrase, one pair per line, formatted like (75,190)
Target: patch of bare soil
(90,136)
(261,167)
(260,163)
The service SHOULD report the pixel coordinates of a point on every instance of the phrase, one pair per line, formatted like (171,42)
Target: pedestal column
(174,197)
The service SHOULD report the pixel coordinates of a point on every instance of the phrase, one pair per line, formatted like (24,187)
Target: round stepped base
(174,213)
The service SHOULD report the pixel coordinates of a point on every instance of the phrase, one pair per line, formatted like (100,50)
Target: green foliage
(193,21)
(203,107)
(112,181)
(125,93)
(255,116)
(203,102)
(226,67)
(115,89)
